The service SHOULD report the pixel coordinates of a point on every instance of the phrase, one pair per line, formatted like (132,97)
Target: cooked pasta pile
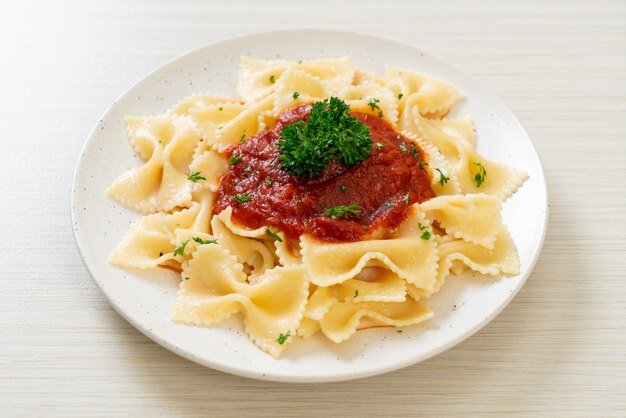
(286,289)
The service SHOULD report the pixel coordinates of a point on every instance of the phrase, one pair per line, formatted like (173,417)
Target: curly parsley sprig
(329,134)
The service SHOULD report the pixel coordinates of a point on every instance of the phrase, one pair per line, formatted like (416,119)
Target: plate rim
(279,377)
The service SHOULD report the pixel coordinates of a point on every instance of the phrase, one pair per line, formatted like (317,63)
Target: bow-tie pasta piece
(335,73)
(254,255)
(433,96)
(257,78)
(307,328)
(474,173)
(343,319)
(186,106)
(246,124)
(215,288)
(296,87)
(372,99)
(461,129)
(211,119)
(410,257)
(372,284)
(226,218)
(161,184)
(148,243)
(288,251)
(502,259)
(478,174)
(362,77)
(210,165)
(474,218)
(442,174)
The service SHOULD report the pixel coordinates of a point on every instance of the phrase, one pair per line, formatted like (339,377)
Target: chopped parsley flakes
(195,177)
(282,338)
(234,159)
(479,178)
(373,104)
(343,212)
(204,241)
(442,177)
(271,233)
(180,250)
(242,198)
(426,233)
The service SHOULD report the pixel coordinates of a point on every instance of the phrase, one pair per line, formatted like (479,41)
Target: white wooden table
(559,349)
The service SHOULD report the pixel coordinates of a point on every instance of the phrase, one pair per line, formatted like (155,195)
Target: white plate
(145,298)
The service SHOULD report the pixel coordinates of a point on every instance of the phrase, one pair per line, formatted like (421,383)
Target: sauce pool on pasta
(383,186)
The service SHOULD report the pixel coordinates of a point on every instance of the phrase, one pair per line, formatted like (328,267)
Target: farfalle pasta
(324,199)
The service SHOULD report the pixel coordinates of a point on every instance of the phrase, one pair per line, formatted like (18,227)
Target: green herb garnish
(442,177)
(388,205)
(295,95)
(479,178)
(356,293)
(204,241)
(329,134)
(413,152)
(373,103)
(426,234)
(342,187)
(195,177)
(186,278)
(268,180)
(406,198)
(283,337)
(379,145)
(400,96)
(272,79)
(180,250)
(343,212)
(247,169)
(243,137)
(234,159)
(242,198)
(271,233)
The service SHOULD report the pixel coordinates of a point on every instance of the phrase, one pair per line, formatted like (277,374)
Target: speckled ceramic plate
(465,304)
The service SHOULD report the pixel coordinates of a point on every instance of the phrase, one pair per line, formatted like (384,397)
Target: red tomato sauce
(294,205)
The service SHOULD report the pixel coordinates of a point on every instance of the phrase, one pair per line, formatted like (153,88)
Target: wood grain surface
(559,349)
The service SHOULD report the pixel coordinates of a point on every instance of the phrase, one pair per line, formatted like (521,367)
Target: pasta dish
(324,199)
